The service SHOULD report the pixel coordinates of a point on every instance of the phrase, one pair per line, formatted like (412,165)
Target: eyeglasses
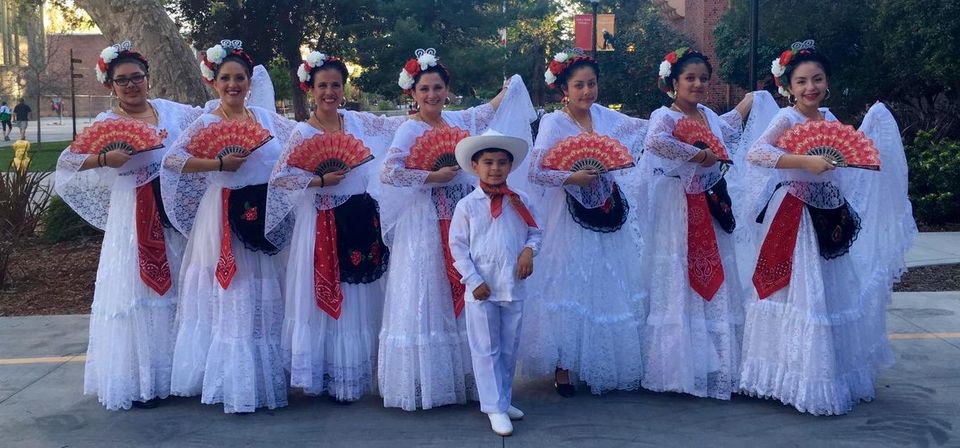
(135,79)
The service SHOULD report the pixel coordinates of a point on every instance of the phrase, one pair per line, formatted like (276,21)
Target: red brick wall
(91,95)
(700,18)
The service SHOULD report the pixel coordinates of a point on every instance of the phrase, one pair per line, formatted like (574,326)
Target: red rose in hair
(786,57)
(412,67)
(672,57)
(556,67)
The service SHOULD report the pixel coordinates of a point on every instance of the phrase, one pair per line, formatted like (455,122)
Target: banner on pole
(606,31)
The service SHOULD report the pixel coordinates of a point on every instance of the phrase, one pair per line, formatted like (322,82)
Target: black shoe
(149,404)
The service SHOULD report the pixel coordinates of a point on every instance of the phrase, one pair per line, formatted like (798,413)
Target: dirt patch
(944,277)
(52,278)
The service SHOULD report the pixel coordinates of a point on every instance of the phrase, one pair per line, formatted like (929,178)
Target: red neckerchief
(497,193)
(151,248)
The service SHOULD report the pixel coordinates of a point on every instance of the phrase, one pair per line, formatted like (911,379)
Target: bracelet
(322,182)
(220,158)
(104,162)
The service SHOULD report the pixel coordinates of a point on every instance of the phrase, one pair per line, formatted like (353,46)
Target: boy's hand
(525,263)
(482,292)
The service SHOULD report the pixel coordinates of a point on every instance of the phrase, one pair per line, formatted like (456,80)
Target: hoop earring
(416,106)
(792,100)
(828,95)
(343,103)
(565,100)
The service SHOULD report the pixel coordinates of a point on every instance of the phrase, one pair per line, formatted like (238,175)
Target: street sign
(77,75)
(76,61)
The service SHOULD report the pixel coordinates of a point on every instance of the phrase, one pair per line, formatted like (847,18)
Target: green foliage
(934,183)
(23,198)
(60,223)
(898,51)
(630,77)
(280,76)
(43,157)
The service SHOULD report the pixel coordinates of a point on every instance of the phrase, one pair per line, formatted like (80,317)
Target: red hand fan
(588,151)
(327,153)
(699,134)
(435,149)
(841,143)
(124,134)
(226,137)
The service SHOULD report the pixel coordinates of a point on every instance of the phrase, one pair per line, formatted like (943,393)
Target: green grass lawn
(42,157)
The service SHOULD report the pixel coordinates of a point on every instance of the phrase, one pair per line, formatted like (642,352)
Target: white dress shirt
(485,250)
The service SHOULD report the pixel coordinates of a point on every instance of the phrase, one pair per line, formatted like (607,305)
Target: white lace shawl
(88,192)
(665,155)
(288,184)
(557,126)
(182,191)
(403,186)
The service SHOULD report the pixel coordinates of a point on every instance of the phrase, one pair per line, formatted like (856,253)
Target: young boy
(493,239)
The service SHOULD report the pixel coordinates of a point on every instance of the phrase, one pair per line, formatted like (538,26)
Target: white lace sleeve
(282,127)
(661,142)
(731,126)
(764,152)
(181,192)
(86,192)
(377,130)
(284,191)
(547,136)
(395,171)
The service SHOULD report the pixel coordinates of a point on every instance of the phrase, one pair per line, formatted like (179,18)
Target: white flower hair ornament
(214,56)
(424,60)
(110,54)
(559,63)
(778,67)
(313,60)
(666,68)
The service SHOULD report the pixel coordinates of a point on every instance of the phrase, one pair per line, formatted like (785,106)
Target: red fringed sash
(154,267)
(704,265)
(453,276)
(226,264)
(775,263)
(326,265)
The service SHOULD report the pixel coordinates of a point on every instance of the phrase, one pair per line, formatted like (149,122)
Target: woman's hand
(582,178)
(233,161)
(482,292)
(818,164)
(116,158)
(334,178)
(443,175)
(745,105)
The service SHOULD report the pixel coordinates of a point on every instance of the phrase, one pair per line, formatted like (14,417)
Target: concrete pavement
(931,248)
(918,404)
(51,132)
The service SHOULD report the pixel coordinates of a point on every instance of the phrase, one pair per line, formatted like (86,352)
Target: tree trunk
(174,69)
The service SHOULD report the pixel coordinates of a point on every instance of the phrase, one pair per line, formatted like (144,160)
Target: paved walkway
(51,132)
(918,404)
(934,248)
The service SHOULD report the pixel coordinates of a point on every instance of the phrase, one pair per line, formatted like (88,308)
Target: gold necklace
(818,117)
(439,124)
(324,128)
(151,112)
(246,113)
(566,110)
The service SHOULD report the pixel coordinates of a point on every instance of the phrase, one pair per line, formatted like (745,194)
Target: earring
(565,100)
(828,95)
(446,101)
(343,102)
(416,106)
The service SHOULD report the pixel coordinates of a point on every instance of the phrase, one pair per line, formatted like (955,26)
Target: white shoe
(514,413)
(500,423)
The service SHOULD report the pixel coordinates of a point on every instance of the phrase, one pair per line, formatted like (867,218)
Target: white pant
(493,329)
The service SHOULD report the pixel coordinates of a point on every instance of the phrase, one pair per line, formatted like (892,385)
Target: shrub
(934,180)
(23,199)
(61,223)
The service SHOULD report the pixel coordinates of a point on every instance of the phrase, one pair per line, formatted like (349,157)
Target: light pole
(593,50)
(754,25)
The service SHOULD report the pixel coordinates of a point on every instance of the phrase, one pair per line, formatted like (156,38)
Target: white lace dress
(336,356)
(424,358)
(585,298)
(691,345)
(818,343)
(228,341)
(131,325)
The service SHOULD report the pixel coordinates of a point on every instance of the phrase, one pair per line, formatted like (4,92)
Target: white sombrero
(490,140)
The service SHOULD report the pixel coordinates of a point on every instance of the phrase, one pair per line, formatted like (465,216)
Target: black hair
(477,155)
(239,57)
(688,58)
(334,64)
(438,69)
(128,57)
(806,56)
(577,63)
